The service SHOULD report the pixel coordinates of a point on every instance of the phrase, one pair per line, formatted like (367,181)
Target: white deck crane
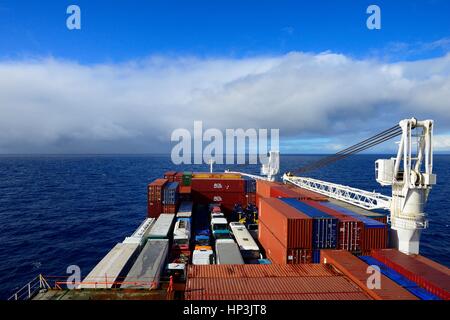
(410,174)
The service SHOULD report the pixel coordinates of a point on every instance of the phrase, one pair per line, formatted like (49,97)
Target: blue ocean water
(57,211)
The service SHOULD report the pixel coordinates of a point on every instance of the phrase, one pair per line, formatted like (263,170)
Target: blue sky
(123,30)
(139,69)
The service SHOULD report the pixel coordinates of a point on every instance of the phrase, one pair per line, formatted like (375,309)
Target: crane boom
(360,198)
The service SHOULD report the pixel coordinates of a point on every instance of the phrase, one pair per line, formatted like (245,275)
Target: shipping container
(227,252)
(155,190)
(263,188)
(169,208)
(185,190)
(110,270)
(324,226)
(146,271)
(350,229)
(170,193)
(185,209)
(277,252)
(292,228)
(218,185)
(399,279)
(249,248)
(154,197)
(374,233)
(440,267)
(226,200)
(217,175)
(426,276)
(359,272)
(187,179)
(162,227)
(141,234)
(269,282)
(170,175)
(354,209)
(154,209)
(282,191)
(304,194)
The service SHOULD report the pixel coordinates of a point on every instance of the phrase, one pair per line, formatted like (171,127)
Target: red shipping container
(432,264)
(263,188)
(350,229)
(357,271)
(218,185)
(279,254)
(373,238)
(170,175)
(169,208)
(178,177)
(304,194)
(291,227)
(283,192)
(154,209)
(426,276)
(185,189)
(155,189)
(219,197)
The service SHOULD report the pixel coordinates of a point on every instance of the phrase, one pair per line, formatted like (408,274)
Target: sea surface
(57,211)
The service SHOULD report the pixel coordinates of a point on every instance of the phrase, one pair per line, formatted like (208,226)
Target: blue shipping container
(400,279)
(325,227)
(368,222)
(316,256)
(170,193)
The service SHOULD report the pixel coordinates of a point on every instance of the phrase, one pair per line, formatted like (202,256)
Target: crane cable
(363,145)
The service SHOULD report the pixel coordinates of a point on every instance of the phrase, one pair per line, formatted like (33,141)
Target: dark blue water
(56,211)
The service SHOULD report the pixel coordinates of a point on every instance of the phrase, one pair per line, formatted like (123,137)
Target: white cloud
(51,105)
(441,143)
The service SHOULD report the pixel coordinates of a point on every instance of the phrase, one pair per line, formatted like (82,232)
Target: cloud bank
(50,105)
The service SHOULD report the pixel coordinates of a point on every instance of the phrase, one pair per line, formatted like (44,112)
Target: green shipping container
(187,178)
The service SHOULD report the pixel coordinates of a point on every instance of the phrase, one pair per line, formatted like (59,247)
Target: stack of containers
(186,178)
(324,232)
(185,186)
(284,232)
(304,194)
(250,190)
(178,177)
(356,270)
(154,197)
(282,191)
(170,176)
(226,192)
(434,280)
(170,197)
(363,212)
(350,229)
(263,190)
(374,233)
(399,279)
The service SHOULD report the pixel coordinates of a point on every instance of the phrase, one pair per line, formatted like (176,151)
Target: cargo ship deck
(223,236)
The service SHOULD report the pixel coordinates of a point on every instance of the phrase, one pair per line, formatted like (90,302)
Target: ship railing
(29,290)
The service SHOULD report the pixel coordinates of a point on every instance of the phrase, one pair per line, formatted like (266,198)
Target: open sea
(61,210)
